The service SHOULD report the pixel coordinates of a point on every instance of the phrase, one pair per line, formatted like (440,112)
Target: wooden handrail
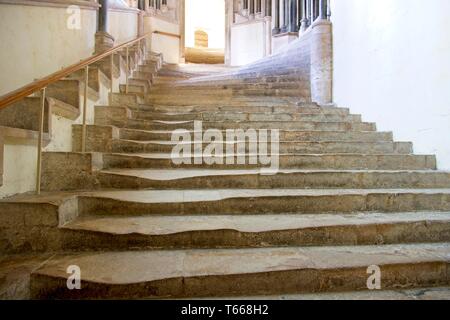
(29,89)
(173,35)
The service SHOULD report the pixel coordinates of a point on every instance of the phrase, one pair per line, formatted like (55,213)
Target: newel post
(103,40)
(322,58)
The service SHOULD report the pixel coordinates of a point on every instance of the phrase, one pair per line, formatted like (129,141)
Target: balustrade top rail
(173,35)
(34,86)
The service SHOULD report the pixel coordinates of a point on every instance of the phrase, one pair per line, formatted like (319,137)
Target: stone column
(268,26)
(321,62)
(229,15)
(304,19)
(245,5)
(285,26)
(182,19)
(258,6)
(251,9)
(293,16)
(276,20)
(268,8)
(103,40)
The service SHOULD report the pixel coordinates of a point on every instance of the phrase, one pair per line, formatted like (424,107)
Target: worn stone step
(133,88)
(417,294)
(291,161)
(210,101)
(285,135)
(139,82)
(143,75)
(230,272)
(257,179)
(178,232)
(285,147)
(124,99)
(100,138)
(262,201)
(244,125)
(221,81)
(217,94)
(152,68)
(175,87)
(217,101)
(273,108)
(299,92)
(244,116)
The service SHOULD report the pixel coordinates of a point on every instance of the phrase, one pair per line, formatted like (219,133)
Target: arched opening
(205,31)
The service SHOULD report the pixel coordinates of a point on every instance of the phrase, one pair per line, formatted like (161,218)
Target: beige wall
(391,63)
(123,26)
(168,46)
(248,42)
(35,42)
(39,41)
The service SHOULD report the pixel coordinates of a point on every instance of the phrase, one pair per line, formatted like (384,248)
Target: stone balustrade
(298,15)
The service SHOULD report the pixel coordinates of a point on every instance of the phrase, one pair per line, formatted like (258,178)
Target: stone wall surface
(394,69)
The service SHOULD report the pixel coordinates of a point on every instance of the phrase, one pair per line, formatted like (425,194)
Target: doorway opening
(205,31)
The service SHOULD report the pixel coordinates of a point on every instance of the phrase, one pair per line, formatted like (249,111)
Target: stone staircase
(346,197)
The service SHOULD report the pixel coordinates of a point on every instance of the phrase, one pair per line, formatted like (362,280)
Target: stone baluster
(276,22)
(245,4)
(304,18)
(308,11)
(293,16)
(251,9)
(322,10)
(285,26)
(328,10)
(268,8)
(316,10)
(158,5)
(258,6)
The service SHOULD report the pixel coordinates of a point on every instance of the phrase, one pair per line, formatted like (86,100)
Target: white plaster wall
(35,42)
(247,42)
(19,173)
(20,154)
(123,26)
(392,64)
(37,47)
(168,46)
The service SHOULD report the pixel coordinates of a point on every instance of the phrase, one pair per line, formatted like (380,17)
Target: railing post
(112,72)
(39,147)
(127,70)
(304,19)
(276,27)
(323,9)
(83,133)
(328,10)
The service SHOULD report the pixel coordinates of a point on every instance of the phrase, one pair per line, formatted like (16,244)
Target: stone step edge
(233,272)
